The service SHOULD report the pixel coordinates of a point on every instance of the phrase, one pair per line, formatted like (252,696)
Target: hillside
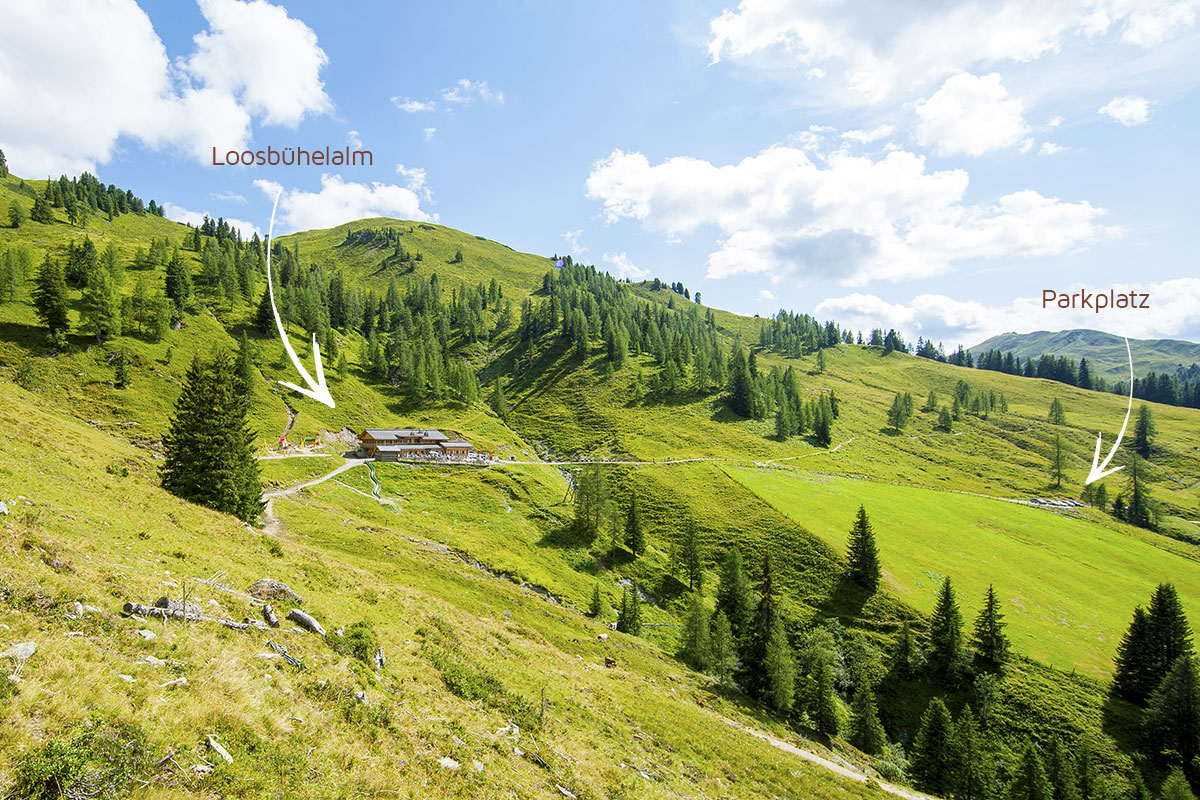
(450,570)
(1104,351)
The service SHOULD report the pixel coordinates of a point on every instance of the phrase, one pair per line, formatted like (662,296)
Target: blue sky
(928,166)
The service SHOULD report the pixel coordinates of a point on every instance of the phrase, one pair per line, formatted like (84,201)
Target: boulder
(190,609)
(271,589)
(20,652)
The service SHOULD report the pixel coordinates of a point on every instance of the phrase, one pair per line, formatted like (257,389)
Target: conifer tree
(14,215)
(1170,636)
(120,370)
(244,371)
(1176,787)
(945,420)
(1091,784)
(988,639)
(1030,781)
(597,608)
(1058,414)
(822,701)
(499,404)
(970,765)
(629,620)
(1057,462)
(50,297)
(932,758)
(41,211)
(697,636)
(3,165)
(741,387)
(863,554)
(945,636)
(724,655)
(755,650)
(209,448)
(906,660)
(1139,509)
(866,732)
(822,362)
(1060,771)
(635,537)
(897,417)
(692,559)
(779,666)
(1143,431)
(1172,721)
(1134,665)
(264,318)
(931,402)
(734,596)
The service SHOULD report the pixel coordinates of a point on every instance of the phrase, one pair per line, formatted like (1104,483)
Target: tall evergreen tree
(244,371)
(945,420)
(1139,508)
(1172,721)
(1175,787)
(1061,772)
(906,658)
(120,370)
(209,448)
(945,636)
(635,537)
(597,609)
(1030,781)
(866,732)
(1135,663)
(1058,414)
(1058,460)
(102,306)
(988,639)
(1143,431)
(15,215)
(3,165)
(1170,635)
(499,404)
(741,387)
(724,654)
(734,596)
(50,297)
(863,554)
(697,636)
(897,415)
(754,653)
(779,666)
(970,765)
(932,758)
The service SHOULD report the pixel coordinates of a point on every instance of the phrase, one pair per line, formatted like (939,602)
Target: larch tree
(697,635)
(780,669)
(735,598)
(866,732)
(724,652)
(863,554)
(50,297)
(1058,414)
(1057,462)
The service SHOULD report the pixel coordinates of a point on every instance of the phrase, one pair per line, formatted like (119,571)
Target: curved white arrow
(317,390)
(1099,471)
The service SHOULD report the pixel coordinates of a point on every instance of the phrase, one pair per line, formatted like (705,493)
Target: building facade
(393,444)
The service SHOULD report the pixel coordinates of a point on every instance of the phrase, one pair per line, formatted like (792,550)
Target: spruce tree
(120,370)
(1176,787)
(1091,784)
(724,655)
(244,372)
(597,609)
(741,387)
(945,636)
(209,448)
(866,732)
(499,404)
(822,702)
(1134,665)
(14,215)
(1030,781)
(3,165)
(635,537)
(697,636)
(906,658)
(754,653)
(988,639)
(1143,431)
(1172,720)
(1061,772)
(970,765)
(863,554)
(1170,636)
(932,758)
(50,297)
(734,596)
(1139,509)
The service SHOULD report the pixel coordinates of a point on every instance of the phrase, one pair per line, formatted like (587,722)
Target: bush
(98,759)
(358,642)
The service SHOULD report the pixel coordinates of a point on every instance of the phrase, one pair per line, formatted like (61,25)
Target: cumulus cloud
(413,106)
(70,96)
(415,181)
(340,201)
(428,134)
(851,218)
(620,266)
(1050,149)
(467,91)
(868,136)
(1128,110)
(186,216)
(970,115)
(953,321)
(572,238)
(937,41)
(354,140)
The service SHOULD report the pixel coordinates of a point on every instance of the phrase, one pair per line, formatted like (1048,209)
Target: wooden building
(392,444)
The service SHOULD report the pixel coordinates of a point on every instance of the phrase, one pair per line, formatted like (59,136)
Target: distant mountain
(1104,351)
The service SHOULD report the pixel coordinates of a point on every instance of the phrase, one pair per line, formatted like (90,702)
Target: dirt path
(272,525)
(841,769)
(291,420)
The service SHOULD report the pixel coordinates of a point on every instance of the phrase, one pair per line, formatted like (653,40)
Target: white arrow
(318,390)
(1099,471)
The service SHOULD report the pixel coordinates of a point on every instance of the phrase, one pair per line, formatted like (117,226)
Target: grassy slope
(1104,351)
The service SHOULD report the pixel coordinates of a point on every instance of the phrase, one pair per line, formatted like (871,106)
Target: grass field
(1068,580)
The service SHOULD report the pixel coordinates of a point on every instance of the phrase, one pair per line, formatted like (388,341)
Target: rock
(610,662)
(20,652)
(340,633)
(449,763)
(191,609)
(361,697)
(271,589)
(56,564)
(147,635)
(221,751)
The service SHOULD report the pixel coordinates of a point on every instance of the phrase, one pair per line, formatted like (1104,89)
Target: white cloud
(969,322)
(415,177)
(428,134)
(1054,122)
(868,136)
(181,214)
(1050,149)
(339,202)
(1128,109)
(621,267)
(228,197)
(354,140)
(70,96)
(413,106)
(876,60)
(971,115)
(572,238)
(467,91)
(766,294)
(853,218)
